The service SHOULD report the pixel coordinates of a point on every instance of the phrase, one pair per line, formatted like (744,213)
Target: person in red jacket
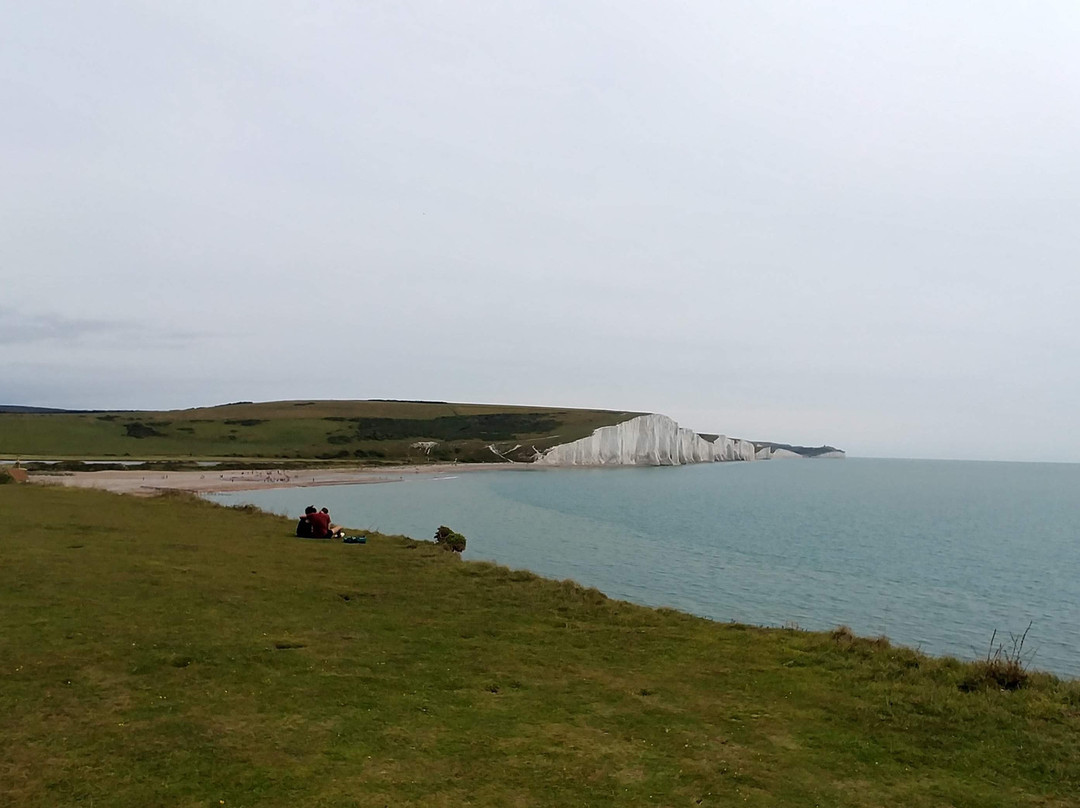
(320,524)
(321,527)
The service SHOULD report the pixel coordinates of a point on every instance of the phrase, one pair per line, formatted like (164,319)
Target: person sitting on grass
(305,529)
(321,528)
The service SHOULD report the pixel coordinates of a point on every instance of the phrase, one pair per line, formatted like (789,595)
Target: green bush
(6,478)
(137,429)
(449,539)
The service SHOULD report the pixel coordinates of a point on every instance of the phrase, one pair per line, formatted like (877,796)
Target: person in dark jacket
(305,528)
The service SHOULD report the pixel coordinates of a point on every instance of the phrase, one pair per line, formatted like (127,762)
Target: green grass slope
(355,431)
(172,652)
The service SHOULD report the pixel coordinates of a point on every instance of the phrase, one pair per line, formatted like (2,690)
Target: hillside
(355,431)
(172,652)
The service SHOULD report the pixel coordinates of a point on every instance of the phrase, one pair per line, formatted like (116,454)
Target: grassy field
(173,652)
(354,431)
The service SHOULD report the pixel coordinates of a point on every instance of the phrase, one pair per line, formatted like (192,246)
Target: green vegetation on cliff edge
(173,652)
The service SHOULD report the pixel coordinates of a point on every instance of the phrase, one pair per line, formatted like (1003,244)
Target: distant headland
(376,433)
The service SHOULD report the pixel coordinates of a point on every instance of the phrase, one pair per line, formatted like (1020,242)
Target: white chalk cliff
(648,440)
(772,453)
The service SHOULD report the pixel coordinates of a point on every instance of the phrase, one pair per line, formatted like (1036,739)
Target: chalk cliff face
(725,448)
(771,453)
(656,440)
(648,440)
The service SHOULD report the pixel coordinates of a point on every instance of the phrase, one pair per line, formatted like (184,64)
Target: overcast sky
(810,222)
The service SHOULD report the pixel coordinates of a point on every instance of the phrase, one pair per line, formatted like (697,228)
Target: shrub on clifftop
(449,539)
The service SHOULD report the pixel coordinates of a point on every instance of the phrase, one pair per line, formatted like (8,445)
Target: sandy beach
(149,483)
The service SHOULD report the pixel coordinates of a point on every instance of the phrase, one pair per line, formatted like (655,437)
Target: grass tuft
(1004,666)
(845,638)
(843,635)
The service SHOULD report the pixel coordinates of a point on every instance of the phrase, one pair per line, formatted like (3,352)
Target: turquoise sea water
(932,554)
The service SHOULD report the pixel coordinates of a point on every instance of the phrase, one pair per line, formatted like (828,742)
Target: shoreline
(150,483)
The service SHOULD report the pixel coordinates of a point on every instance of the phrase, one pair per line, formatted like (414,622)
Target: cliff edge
(657,440)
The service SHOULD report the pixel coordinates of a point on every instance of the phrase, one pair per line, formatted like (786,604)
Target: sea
(936,555)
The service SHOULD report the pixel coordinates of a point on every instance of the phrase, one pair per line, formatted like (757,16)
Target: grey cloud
(19,328)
